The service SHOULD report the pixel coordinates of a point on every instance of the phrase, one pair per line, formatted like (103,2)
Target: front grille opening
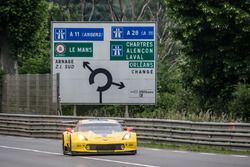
(105,147)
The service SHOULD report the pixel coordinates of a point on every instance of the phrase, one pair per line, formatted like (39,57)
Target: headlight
(81,137)
(126,136)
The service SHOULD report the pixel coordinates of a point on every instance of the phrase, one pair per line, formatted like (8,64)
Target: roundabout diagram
(109,83)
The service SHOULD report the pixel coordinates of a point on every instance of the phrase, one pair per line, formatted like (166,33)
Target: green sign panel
(132,50)
(141,64)
(64,49)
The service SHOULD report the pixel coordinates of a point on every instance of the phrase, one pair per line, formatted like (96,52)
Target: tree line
(203,50)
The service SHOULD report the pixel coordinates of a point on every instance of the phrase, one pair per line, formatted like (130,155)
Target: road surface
(32,152)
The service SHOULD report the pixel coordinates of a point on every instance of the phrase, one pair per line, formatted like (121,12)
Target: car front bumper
(104,147)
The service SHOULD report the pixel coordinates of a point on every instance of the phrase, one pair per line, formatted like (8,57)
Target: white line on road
(30,150)
(240,156)
(207,153)
(119,162)
(26,138)
(89,158)
(184,152)
(152,149)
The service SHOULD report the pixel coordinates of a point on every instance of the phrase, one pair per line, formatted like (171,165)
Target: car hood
(93,136)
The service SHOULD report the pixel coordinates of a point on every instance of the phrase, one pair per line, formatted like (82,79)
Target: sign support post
(126,112)
(74,110)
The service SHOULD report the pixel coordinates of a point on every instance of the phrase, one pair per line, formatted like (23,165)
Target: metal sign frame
(96,71)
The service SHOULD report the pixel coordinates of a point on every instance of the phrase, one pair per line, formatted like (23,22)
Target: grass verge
(195,148)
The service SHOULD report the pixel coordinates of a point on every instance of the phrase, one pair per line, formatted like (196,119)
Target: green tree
(215,35)
(240,105)
(79,10)
(25,22)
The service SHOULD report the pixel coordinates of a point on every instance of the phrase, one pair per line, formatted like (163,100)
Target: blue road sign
(117,50)
(132,32)
(78,34)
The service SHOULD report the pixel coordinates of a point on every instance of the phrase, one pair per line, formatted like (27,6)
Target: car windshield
(100,128)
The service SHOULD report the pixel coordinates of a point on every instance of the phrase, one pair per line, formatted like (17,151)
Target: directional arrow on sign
(86,64)
(121,85)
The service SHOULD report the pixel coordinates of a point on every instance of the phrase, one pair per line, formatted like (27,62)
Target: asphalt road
(30,152)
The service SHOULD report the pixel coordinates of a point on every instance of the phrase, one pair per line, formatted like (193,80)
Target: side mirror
(70,130)
(130,129)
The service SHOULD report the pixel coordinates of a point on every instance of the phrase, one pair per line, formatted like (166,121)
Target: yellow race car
(99,136)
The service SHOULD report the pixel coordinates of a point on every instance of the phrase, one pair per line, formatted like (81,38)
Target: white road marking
(183,152)
(26,138)
(153,149)
(30,150)
(89,158)
(119,162)
(240,156)
(207,153)
(47,140)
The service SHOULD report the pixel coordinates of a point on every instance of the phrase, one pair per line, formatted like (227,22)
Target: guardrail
(232,135)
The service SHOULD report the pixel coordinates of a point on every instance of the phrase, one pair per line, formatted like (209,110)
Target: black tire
(134,152)
(72,153)
(63,147)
